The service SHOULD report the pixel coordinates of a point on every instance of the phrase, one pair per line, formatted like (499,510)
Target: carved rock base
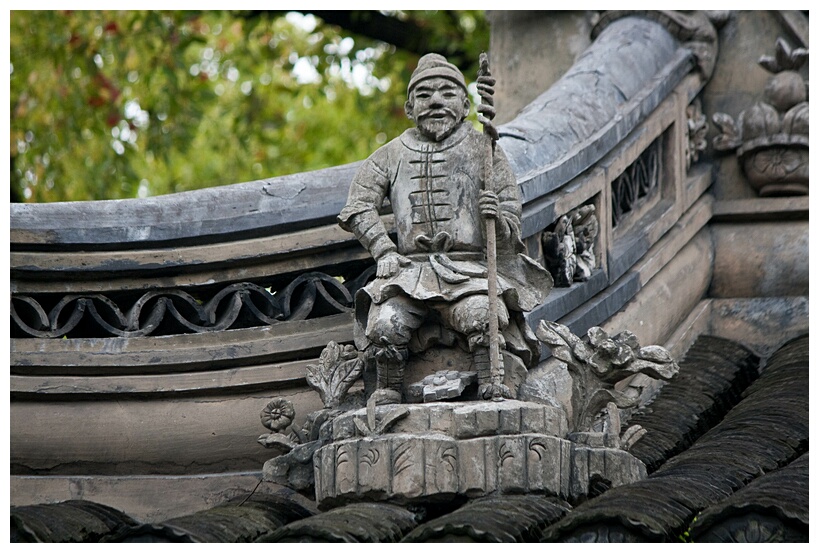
(442,450)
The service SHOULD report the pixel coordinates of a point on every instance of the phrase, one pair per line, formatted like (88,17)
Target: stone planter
(777,170)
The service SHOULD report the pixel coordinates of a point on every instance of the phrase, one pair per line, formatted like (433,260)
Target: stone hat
(435,65)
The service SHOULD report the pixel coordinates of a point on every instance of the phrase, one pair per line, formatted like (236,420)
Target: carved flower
(278,414)
(776,164)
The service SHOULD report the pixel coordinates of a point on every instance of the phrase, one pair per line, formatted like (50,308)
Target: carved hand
(389,263)
(489,204)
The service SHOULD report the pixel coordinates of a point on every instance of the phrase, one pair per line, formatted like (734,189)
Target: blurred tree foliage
(122,104)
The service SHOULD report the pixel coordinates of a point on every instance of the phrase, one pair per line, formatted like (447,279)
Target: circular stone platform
(440,450)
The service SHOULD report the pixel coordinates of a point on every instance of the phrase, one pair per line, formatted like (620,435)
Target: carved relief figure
(434,278)
(771,137)
(568,250)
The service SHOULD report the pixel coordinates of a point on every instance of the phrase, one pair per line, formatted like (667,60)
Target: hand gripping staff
(486,112)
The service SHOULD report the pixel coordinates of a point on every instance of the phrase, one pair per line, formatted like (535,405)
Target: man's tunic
(433,188)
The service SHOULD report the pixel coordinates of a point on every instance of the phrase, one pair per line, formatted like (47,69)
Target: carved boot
(390,362)
(487,387)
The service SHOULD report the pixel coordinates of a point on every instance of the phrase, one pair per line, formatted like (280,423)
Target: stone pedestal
(441,450)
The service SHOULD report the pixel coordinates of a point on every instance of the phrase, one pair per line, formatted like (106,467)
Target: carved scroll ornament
(164,312)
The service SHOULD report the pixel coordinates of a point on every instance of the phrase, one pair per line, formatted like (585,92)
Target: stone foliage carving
(697,130)
(597,366)
(568,250)
(771,137)
(163,312)
(432,451)
(338,368)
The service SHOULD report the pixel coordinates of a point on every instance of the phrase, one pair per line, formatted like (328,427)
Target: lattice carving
(163,312)
(638,181)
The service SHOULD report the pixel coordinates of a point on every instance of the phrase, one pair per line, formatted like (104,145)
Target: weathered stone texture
(760,259)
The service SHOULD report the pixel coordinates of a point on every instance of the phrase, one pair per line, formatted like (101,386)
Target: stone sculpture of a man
(435,275)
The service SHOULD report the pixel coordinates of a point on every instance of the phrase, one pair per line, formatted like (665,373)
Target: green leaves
(207,98)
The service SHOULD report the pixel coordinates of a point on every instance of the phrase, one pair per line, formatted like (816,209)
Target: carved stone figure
(432,284)
(457,266)
(586,228)
(568,250)
(560,251)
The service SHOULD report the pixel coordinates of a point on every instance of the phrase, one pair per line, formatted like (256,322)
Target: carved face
(437,105)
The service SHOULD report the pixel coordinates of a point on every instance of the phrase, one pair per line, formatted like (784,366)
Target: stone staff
(486,112)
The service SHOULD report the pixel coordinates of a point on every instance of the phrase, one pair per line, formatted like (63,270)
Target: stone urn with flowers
(771,137)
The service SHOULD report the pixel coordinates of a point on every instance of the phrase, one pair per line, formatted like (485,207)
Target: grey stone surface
(464,420)
(435,467)
(564,300)
(761,323)
(437,451)
(200,216)
(610,88)
(603,305)
(603,466)
(517,45)
(441,385)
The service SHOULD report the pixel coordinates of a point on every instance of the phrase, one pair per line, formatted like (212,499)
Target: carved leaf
(338,368)
(402,460)
(391,418)
(505,453)
(371,456)
(597,336)
(362,427)
(783,54)
(631,436)
(770,64)
(728,139)
(449,456)
(629,339)
(563,343)
(799,57)
(277,442)
(662,371)
(657,354)
(539,448)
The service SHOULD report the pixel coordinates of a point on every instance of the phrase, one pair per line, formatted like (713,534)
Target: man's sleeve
(367,191)
(506,186)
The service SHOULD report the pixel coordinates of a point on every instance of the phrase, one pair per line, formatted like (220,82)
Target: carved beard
(437,128)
